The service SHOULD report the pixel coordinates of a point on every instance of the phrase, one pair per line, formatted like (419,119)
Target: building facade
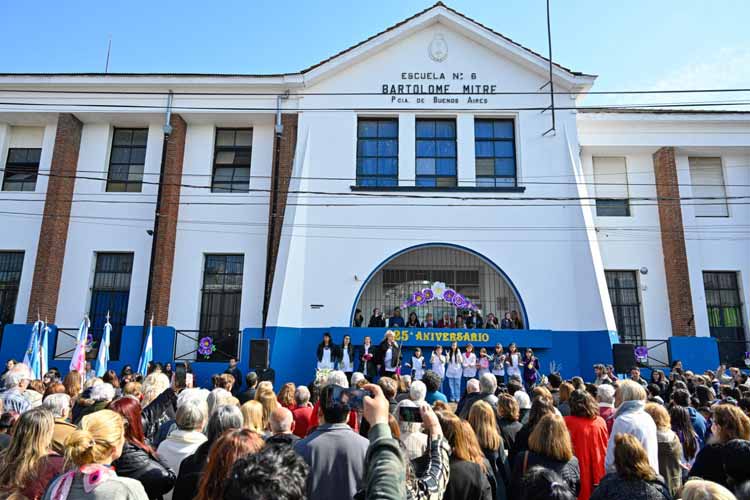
(423,158)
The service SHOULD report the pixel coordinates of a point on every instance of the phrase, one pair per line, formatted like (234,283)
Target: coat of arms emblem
(438,48)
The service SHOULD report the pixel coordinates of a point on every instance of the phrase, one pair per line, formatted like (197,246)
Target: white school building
(421,155)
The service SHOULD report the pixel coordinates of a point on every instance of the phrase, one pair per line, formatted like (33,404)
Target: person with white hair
(412,437)
(282,427)
(605,396)
(357,377)
(16,381)
(59,405)
(631,418)
(100,395)
(191,418)
(337,377)
(218,397)
(487,387)
(417,391)
(303,412)
(167,425)
(524,405)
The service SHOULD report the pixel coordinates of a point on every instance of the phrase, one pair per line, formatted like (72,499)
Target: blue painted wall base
(292,350)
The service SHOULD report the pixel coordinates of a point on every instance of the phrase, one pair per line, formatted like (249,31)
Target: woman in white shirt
(469,364)
(513,361)
(346,364)
(453,373)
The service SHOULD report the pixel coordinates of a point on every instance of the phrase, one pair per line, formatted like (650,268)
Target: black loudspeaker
(623,356)
(259,354)
(268,374)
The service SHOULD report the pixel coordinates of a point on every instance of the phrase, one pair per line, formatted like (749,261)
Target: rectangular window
(723,299)
(110,294)
(127,159)
(626,305)
(21,169)
(220,304)
(707,180)
(495,151)
(232,153)
(377,152)
(611,181)
(436,153)
(11,264)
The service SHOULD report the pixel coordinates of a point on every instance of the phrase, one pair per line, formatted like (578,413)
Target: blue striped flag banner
(147,355)
(44,350)
(31,357)
(102,359)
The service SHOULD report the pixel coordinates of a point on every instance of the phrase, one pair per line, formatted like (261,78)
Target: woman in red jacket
(589,436)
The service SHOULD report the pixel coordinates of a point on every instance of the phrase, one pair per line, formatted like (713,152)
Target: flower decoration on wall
(439,291)
(206,347)
(89,342)
(641,354)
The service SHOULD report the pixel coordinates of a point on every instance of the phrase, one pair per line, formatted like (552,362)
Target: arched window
(468,274)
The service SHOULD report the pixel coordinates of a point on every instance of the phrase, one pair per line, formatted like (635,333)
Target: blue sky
(633,44)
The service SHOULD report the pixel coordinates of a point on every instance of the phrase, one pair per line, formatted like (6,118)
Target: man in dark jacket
(145,466)
(234,371)
(281,421)
(252,383)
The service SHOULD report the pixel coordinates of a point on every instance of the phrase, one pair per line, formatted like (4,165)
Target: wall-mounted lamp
(644,270)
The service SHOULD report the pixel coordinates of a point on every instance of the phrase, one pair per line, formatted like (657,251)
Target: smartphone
(410,414)
(352,398)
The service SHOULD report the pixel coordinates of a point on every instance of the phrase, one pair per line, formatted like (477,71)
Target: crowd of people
(511,320)
(384,436)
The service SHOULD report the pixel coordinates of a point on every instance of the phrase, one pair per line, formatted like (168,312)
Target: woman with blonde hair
(252,416)
(550,447)
(286,396)
(634,477)
(90,451)
(72,383)
(728,423)
(670,449)
(469,474)
(697,489)
(153,385)
(482,420)
(27,465)
(269,404)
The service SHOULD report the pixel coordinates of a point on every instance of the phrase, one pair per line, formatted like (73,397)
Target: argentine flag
(31,358)
(147,355)
(44,350)
(102,359)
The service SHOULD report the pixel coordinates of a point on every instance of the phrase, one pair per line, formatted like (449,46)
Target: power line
(304,94)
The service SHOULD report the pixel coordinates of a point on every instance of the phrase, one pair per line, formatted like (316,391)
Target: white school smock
(513,368)
(498,365)
(325,362)
(454,368)
(417,367)
(482,368)
(470,365)
(346,363)
(387,360)
(438,364)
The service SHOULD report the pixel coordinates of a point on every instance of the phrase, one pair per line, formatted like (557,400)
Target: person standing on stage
(517,321)
(396,319)
(428,321)
(367,363)
(346,352)
(327,353)
(497,363)
(483,362)
(453,373)
(530,370)
(417,364)
(437,361)
(413,321)
(446,322)
(469,364)
(376,320)
(389,355)
(513,361)
(506,323)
